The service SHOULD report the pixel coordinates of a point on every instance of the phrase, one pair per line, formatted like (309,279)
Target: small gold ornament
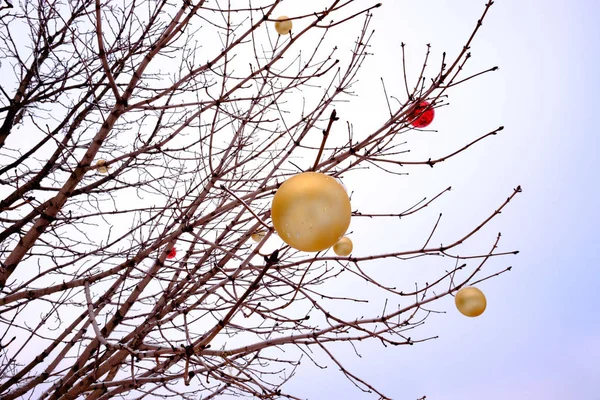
(283,27)
(258,236)
(101,166)
(172,253)
(470,301)
(343,247)
(311,211)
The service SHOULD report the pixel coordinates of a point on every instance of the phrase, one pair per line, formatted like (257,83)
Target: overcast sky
(540,336)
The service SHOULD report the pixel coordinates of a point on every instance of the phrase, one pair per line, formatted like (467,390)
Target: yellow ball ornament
(101,166)
(470,301)
(343,247)
(258,236)
(283,27)
(311,211)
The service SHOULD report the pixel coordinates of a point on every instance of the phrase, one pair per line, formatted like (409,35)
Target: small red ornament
(422,115)
(172,253)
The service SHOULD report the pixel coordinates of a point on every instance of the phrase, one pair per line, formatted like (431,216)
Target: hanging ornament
(344,186)
(283,27)
(422,115)
(172,253)
(101,166)
(343,247)
(311,211)
(258,236)
(470,301)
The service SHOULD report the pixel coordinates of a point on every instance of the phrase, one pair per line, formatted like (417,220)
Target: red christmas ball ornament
(422,116)
(172,253)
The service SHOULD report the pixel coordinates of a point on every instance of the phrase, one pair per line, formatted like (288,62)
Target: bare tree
(140,148)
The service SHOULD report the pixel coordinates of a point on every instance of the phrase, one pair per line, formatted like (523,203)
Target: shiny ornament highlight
(470,301)
(422,116)
(311,211)
(283,27)
(101,166)
(172,253)
(343,247)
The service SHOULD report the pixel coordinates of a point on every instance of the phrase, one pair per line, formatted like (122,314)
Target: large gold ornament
(283,27)
(343,247)
(470,301)
(311,211)
(101,166)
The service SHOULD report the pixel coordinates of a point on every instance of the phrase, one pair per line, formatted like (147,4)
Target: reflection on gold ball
(172,253)
(258,235)
(343,185)
(343,247)
(311,211)
(283,27)
(100,165)
(470,301)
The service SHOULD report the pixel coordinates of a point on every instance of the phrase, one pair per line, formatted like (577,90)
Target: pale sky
(540,335)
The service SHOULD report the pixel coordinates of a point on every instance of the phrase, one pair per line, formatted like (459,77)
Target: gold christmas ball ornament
(470,301)
(258,236)
(283,27)
(343,247)
(101,166)
(311,211)
(344,186)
